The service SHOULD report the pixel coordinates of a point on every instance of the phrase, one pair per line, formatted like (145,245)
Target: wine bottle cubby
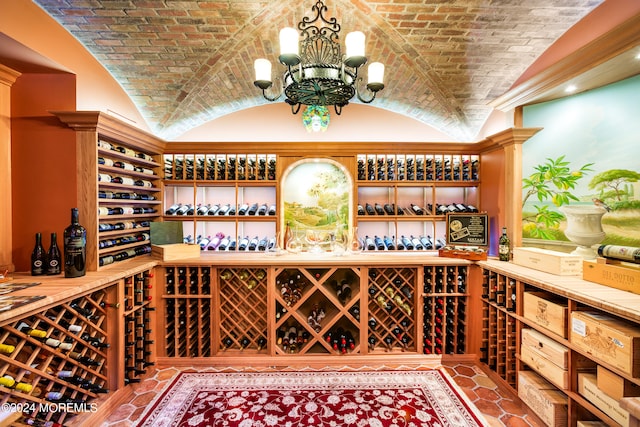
(119,186)
(445,310)
(220,167)
(139,321)
(58,356)
(128,201)
(394,212)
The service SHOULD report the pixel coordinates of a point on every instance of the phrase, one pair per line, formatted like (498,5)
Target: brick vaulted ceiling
(184,63)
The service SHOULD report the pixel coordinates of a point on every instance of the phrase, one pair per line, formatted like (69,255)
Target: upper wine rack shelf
(418,167)
(220,167)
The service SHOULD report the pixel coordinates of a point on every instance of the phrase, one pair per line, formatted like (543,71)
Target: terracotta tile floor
(499,405)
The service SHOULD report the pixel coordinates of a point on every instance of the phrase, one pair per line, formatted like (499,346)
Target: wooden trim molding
(8,76)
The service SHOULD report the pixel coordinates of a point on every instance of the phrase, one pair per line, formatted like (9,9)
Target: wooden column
(7,78)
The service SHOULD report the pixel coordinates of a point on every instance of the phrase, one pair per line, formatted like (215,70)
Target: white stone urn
(584,228)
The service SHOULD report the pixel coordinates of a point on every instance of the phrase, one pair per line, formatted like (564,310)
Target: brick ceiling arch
(184,63)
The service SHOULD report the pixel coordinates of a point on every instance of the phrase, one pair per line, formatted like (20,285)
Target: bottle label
(503,249)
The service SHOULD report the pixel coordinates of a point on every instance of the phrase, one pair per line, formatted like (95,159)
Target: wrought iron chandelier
(317,72)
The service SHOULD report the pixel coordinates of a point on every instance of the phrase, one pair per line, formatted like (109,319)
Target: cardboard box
(537,361)
(623,276)
(615,386)
(175,251)
(607,338)
(543,398)
(546,311)
(553,262)
(588,387)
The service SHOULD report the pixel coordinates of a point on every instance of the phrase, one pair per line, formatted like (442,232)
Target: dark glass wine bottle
(75,247)
(53,256)
(38,258)
(504,246)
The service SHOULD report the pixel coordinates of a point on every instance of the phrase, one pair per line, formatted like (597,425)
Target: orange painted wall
(43,161)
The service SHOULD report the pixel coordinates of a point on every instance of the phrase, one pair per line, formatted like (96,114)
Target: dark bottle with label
(504,246)
(38,258)
(53,256)
(75,247)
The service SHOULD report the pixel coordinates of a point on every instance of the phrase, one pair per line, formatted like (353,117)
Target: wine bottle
(417,209)
(38,258)
(244,242)
(202,210)
(253,243)
(504,245)
(416,243)
(379,243)
(406,243)
(263,209)
(623,253)
(253,209)
(369,209)
(360,210)
(223,210)
(75,247)
(388,242)
(272,210)
(388,209)
(173,209)
(242,210)
(9,382)
(379,209)
(53,256)
(369,243)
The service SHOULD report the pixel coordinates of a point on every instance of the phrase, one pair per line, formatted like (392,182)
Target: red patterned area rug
(313,399)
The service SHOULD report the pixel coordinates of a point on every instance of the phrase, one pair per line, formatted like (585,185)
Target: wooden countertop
(57,288)
(611,300)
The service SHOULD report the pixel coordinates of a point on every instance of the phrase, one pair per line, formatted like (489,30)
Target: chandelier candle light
(317,72)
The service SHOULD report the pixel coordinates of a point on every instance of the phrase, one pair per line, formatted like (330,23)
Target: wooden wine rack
(427,181)
(102,136)
(82,325)
(392,315)
(418,167)
(139,331)
(312,311)
(445,309)
(242,323)
(499,332)
(220,167)
(316,304)
(188,314)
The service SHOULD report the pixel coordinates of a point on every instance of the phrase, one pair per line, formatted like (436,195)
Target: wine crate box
(588,387)
(609,339)
(625,276)
(537,361)
(591,424)
(549,404)
(546,311)
(553,262)
(615,386)
(555,352)
(175,251)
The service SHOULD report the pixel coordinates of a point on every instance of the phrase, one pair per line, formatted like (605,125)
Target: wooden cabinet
(553,328)
(77,349)
(119,190)
(329,307)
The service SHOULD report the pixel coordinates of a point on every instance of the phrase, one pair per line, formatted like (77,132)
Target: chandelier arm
(271,98)
(295,107)
(338,109)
